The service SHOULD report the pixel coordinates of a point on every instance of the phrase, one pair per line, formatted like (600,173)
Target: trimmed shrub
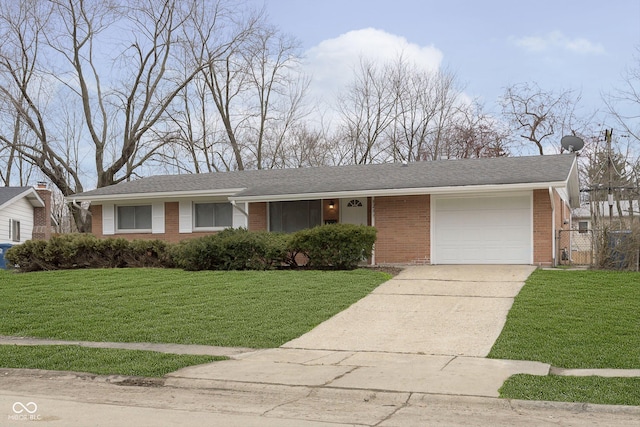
(72,251)
(149,253)
(233,249)
(334,246)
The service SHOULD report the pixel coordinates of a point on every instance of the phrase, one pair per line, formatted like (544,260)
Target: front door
(353,211)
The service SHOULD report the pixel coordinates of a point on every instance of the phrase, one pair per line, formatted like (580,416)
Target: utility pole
(607,137)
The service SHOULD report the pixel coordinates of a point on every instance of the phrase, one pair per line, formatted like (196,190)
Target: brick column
(42,216)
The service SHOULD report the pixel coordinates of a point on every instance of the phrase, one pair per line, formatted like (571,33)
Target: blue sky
(583,45)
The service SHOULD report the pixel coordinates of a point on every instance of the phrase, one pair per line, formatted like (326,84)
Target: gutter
(172,195)
(461,190)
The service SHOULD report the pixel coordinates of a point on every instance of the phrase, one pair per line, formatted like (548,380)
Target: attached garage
(492,229)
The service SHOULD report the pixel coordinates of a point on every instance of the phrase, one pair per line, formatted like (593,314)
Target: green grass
(101,361)
(240,309)
(575,319)
(606,391)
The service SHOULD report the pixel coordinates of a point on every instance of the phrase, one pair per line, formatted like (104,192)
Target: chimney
(42,216)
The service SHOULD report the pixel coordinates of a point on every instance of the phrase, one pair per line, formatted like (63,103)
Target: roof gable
(10,194)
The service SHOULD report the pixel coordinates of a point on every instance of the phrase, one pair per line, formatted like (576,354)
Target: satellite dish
(572,143)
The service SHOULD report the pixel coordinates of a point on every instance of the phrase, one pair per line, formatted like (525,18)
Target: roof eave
(156,195)
(493,188)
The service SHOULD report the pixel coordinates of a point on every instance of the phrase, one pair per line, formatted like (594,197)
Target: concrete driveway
(427,330)
(436,310)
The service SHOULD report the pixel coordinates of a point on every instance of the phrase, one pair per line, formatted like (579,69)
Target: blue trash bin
(4,247)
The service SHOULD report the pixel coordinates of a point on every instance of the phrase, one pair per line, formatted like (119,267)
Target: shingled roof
(365,179)
(7,194)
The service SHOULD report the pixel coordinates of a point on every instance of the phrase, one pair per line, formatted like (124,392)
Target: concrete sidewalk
(427,330)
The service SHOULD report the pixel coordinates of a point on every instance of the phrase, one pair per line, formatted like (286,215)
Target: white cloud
(558,40)
(331,63)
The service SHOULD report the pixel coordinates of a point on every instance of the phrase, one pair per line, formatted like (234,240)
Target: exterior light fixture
(332,204)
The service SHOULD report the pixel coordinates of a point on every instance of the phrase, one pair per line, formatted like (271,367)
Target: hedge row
(336,246)
(72,251)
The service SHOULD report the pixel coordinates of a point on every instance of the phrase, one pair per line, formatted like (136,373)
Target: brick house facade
(415,221)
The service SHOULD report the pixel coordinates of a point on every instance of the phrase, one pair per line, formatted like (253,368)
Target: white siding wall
(108,219)
(185,220)
(21,210)
(157,218)
(240,219)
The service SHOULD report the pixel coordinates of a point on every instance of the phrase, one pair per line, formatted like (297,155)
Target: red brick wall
(42,216)
(258,216)
(96,220)
(542,227)
(403,224)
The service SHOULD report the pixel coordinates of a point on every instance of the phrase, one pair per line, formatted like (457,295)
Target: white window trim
(133,230)
(13,225)
(218,228)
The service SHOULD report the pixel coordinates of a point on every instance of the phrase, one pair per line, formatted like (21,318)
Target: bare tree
(22,89)
(474,134)
(115,61)
(624,101)
(538,116)
(367,110)
(428,108)
(397,111)
(250,88)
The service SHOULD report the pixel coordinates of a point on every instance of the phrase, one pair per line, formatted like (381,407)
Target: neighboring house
(583,217)
(585,231)
(473,211)
(25,213)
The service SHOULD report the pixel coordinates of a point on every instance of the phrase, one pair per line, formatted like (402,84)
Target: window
(354,204)
(294,216)
(210,215)
(583,226)
(14,230)
(134,218)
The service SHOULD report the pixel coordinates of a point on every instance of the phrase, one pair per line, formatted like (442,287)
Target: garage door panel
(483,230)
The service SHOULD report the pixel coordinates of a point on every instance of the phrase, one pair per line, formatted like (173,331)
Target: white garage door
(482,230)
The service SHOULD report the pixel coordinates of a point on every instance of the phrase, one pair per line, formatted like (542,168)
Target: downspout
(553,227)
(242,211)
(373,224)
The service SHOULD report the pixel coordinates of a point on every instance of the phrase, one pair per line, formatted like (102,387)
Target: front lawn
(233,309)
(600,390)
(574,319)
(101,361)
(236,309)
